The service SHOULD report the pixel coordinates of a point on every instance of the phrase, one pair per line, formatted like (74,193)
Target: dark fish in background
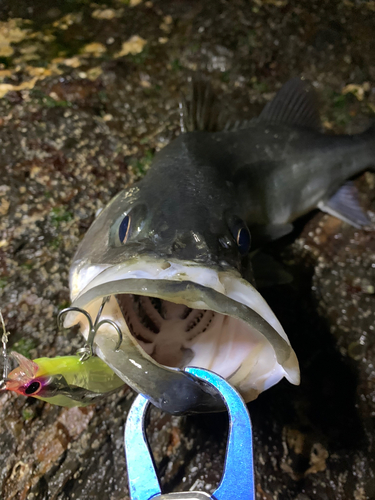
(173,251)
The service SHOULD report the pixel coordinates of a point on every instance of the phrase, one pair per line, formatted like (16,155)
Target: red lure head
(23,378)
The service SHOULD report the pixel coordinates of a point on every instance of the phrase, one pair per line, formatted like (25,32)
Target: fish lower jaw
(181,323)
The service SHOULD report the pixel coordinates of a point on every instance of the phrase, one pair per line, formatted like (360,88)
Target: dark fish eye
(124,229)
(33,388)
(241,235)
(243,240)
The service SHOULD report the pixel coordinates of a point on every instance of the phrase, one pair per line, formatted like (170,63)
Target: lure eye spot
(33,388)
(124,229)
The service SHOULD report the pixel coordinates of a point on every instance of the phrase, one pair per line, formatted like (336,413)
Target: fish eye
(242,236)
(243,240)
(33,388)
(128,225)
(124,229)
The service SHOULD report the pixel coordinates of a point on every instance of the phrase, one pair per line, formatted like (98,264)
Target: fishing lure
(63,380)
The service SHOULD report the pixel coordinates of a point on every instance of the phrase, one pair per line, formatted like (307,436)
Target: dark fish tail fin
(202,111)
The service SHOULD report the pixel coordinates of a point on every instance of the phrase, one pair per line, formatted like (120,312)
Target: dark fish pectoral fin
(345,206)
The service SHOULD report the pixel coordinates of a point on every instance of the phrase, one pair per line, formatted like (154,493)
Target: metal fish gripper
(238,477)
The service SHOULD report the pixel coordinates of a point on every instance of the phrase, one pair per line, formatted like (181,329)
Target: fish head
(174,272)
(140,222)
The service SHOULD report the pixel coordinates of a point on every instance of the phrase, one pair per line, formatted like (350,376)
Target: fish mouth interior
(163,329)
(220,324)
(177,335)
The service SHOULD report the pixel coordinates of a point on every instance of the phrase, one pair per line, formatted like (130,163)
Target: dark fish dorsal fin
(296,104)
(232,125)
(202,111)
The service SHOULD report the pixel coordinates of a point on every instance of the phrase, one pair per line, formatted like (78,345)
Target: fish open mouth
(175,314)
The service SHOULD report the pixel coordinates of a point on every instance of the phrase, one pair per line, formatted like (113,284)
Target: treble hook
(87,350)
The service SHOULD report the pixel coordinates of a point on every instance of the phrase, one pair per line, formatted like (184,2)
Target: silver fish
(173,251)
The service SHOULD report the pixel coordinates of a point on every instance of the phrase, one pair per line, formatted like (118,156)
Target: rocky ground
(88,93)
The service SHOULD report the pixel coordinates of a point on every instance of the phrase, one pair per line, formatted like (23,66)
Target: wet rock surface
(89,93)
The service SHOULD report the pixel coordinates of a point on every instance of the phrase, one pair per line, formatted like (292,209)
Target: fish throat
(165,330)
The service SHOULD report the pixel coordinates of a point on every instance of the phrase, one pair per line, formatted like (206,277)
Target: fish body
(296,171)
(173,251)
(63,380)
(268,174)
